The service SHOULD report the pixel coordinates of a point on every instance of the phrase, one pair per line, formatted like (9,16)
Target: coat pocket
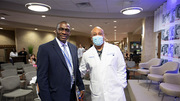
(95,88)
(51,90)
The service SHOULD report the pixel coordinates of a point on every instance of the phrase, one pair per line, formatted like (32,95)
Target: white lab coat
(107,75)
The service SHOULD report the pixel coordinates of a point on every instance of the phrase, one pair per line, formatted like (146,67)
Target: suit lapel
(59,53)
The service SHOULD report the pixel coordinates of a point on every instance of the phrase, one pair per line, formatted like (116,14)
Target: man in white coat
(106,67)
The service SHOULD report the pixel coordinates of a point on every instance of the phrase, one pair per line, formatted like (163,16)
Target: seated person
(32,59)
(13,53)
(136,57)
(23,53)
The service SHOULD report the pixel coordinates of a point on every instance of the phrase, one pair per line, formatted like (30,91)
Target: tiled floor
(87,96)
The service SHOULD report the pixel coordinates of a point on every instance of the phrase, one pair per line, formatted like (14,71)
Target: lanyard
(67,57)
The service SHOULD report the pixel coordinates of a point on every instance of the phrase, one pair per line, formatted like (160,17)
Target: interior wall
(7,37)
(7,40)
(25,38)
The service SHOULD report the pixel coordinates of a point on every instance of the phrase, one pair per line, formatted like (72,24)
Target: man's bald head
(97,31)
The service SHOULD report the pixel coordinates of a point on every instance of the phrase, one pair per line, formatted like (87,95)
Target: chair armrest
(173,71)
(155,70)
(172,78)
(143,65)
(156,65)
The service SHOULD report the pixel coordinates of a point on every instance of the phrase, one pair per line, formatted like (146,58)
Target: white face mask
(97,40)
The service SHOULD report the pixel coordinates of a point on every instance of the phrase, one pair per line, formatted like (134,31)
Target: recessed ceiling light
(35,28)
(115,30)
(90,25)
(38,7)
(115,21)
(115,26)
(1,28)
(43,16)
(3,18)
(131,10)
(72,28)
(116,42)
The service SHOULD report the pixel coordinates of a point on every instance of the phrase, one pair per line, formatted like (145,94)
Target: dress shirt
(61,45)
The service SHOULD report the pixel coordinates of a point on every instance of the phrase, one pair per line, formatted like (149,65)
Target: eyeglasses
(62,29)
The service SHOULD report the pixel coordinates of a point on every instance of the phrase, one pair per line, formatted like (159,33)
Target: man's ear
(55,32)
(91,39)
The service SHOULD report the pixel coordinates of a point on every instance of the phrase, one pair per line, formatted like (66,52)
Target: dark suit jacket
(53,76)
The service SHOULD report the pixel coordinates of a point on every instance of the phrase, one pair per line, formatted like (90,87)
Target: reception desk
(19,59)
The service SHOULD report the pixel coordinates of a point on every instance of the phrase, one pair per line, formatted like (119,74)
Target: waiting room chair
(11,88)
(29,69)
(19,65)
(171,85)
(9,67)
(26,65)
(130,66)
(6,64)
(8,72)
(156,73)
(29,76)
(144,67)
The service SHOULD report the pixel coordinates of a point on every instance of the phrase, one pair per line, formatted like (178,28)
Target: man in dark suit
(58,68)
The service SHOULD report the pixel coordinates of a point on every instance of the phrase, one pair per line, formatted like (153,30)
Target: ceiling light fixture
(131,10)
(1,28)
(43,16)
(38,7)
(3,18)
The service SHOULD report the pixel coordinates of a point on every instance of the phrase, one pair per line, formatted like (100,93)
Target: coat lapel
(59,53)
(95,54)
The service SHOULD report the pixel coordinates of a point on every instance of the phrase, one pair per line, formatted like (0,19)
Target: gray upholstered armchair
(156,74)
(144,67)
(171,85)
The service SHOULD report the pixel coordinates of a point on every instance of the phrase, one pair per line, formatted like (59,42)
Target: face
(97,36)
(97,32)
(33,56)
(178,31)
(63,32)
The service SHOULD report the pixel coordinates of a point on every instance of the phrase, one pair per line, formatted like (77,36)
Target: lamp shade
(38,7)
(131,10)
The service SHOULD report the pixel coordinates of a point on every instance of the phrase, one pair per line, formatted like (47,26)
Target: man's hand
(81,94)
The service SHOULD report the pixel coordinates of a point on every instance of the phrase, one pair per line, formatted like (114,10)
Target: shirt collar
(61,44)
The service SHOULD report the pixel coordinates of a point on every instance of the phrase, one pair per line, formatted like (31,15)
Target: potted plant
(30,49)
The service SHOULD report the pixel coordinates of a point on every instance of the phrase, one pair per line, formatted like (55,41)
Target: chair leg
(162,97)
(140,76)
(159,89)
(149,85)
(134,74)
(146,80)
(1,96)
(159,92)
(175,98)
(14,99)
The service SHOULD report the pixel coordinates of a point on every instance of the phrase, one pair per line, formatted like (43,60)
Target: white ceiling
(101,13)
